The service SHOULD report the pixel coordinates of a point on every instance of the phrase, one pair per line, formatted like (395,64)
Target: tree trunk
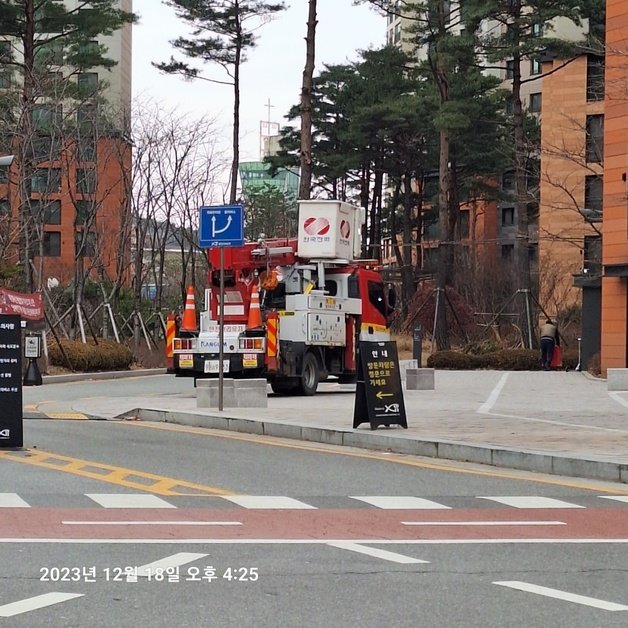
(305,184)
(233,192)
(441,331)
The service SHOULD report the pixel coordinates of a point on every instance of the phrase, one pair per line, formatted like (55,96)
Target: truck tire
(310,375)
(284,386)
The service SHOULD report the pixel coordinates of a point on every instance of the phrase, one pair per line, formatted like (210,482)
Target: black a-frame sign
(379,395)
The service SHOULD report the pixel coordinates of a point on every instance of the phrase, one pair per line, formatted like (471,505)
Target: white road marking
(12,500)
(267,501)
(562,595)
(152,523)
(617,498)
(239,541)
(37,602)
(531,501)
(129,500)
(615,396)
(483,523)
(377,553)
(391,502)
(176,560)
(492,398)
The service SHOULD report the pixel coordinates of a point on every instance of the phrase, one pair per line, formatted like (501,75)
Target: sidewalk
(564,423)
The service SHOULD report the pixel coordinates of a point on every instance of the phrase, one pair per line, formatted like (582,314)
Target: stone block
(250,393)
(617,379)
(419,379)
(207,393)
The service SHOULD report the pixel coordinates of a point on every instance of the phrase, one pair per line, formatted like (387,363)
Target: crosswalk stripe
(392,502)
(176,560)
(532,501)
(267,502)
(617,498)
(128,500)
(35,603)
(12,500)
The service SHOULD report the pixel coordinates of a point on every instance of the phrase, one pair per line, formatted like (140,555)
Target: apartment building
(614,337)
(77,205)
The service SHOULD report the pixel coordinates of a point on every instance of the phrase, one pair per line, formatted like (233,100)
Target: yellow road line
(120,476)
(68,416)
(378,456)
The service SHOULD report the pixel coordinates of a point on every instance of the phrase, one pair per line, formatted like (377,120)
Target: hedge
(107,355)
(502,360)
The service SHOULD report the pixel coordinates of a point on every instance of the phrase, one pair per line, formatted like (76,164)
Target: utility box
(329,230)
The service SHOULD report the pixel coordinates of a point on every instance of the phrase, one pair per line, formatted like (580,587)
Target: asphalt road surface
(136,524)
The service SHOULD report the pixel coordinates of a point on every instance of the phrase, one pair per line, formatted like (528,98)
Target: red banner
(29,306)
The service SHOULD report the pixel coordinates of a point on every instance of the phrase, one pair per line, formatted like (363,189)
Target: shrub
(502,360)
(107,355)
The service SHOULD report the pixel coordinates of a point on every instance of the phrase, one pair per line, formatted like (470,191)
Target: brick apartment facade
(614,352)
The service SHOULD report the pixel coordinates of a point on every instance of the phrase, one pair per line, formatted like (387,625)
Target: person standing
(549,339)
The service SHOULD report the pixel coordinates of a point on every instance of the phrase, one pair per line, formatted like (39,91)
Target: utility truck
(317,300)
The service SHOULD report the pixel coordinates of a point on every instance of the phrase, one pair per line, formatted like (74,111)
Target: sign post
(11,417)
(221,226)
(379,395)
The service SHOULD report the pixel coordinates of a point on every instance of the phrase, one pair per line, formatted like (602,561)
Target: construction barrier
(171,331)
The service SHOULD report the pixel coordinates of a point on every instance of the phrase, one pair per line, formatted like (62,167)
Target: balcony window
(592,255)
(84,211)
(510,69)
(85,244)
(507,251)
(4,174)
(463,224)
(595,139)
(52,243)
(85,180)
(47,117)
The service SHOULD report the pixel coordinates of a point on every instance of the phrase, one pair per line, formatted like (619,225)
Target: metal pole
(529,320)
(221,329)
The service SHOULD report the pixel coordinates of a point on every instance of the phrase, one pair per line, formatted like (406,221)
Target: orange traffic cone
(189,314)
(255,315)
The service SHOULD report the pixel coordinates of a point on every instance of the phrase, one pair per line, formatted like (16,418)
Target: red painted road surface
(323,524)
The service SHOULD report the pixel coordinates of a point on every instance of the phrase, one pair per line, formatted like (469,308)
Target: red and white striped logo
(316,226)
(345,229)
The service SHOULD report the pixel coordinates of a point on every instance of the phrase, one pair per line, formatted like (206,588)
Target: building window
(595,139)
(510,69)
(85,180)
(85,244)
(592,255)
(89,48)
(84,211)
(397,32)
(535,67)
(5,208)
(6,51)
(537,30)
(86,149)
(47,117)
(52,243)
(508,216)
(6,79)
(595,78)
(47,212)
(507,251)
(4,174)
(508,181)
(535,103)
(86,115)
(51,53)
(46,180)
(463,224)
(88,82)
(593,192)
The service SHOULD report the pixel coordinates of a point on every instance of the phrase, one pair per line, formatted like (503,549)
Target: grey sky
(274,69)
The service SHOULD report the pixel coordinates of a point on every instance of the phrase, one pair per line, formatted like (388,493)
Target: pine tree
(222,33)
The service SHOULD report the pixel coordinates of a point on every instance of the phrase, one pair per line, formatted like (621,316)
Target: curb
(448,450)
(78,377)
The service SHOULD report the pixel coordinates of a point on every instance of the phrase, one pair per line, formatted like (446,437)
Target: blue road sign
(221,226)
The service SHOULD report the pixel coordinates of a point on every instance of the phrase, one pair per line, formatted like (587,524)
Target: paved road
(230,529)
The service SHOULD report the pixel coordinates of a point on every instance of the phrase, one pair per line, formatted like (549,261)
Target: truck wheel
(308,382)
(284,386)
